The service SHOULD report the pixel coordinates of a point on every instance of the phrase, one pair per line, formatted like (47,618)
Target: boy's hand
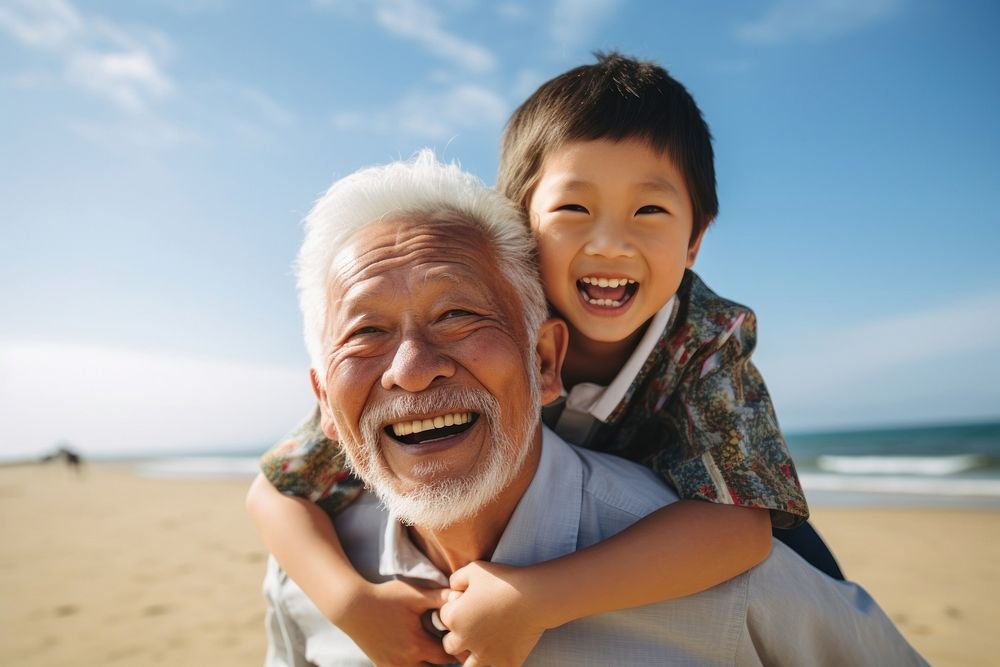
(493,621)
(384,621)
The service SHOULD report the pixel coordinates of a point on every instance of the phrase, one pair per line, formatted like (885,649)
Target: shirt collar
(539,529)
(602,401)
(546,521)
(400,557)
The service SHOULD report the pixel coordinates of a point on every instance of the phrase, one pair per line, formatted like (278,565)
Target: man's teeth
(607,282)
(420,425)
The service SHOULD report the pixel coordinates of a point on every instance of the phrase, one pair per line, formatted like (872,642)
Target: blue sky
(156,159)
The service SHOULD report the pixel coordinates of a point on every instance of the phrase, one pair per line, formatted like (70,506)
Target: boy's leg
(807,543)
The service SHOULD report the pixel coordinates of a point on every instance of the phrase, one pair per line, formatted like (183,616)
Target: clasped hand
(491,615)
(490,611)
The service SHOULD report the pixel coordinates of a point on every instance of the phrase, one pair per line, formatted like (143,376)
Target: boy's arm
(383,619)
(301,537)
(679,550)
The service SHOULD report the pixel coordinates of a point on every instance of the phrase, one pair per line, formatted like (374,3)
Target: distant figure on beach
(432,354)
(73,460)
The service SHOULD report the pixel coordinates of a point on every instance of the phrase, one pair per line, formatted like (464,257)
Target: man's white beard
(446,500)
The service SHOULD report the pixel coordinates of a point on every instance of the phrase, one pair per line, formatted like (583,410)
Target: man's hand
(493,621)
(384,620)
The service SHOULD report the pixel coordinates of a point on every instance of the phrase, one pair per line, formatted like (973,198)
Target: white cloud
(934,364)
(130,78)
(574,22)
(31,80)
(420,22)
(270,109)
(146,132)
(47,24)
(431,114)
(123,66)
(108,400)
(788,20)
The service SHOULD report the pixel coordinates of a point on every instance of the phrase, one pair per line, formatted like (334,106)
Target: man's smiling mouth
(606,292)
(421,431)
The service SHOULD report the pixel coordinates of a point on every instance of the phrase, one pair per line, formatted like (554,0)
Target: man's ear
(553,338)
(694,246)
(325,418)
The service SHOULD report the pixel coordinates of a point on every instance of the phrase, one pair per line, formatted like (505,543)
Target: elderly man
(432,356)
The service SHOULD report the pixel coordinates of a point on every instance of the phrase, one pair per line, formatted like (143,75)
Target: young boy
(613,165)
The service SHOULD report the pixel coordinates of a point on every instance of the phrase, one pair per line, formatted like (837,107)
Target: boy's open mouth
(607,292)
(422,431)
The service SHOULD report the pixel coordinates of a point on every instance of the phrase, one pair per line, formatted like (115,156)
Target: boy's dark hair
(617,98)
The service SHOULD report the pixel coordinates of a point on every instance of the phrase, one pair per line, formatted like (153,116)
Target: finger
(447,615)
(459,580)
(447,611)
(471,661)
(452,644)
(435,598)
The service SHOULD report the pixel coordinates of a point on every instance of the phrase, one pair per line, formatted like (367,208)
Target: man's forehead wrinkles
(431,263)
(418,252)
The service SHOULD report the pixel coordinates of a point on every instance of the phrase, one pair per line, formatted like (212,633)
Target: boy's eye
(649,209)
(576,208)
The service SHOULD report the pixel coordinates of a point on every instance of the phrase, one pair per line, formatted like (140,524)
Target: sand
(113,569)
(936,572)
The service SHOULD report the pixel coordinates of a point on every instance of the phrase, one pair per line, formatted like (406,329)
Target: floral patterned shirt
(697,413)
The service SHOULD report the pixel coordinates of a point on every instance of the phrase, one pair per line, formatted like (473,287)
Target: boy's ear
(694,247)
(553,338)
(325,419)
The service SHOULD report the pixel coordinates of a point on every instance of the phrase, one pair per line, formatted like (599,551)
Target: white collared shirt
(587,401)
(782,612)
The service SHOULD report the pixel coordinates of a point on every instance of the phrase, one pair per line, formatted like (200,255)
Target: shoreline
(113,568)
(861,491)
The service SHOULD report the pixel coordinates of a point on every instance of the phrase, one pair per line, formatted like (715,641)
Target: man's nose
(609,237)
(416,364)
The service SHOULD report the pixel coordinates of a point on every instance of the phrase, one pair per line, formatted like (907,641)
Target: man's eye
(649,209)
(364,331)
(576,208)
(455,312)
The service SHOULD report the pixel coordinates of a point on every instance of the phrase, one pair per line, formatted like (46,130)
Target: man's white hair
(421,188)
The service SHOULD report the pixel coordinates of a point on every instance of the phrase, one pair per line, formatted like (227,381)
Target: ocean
(947,465)
(932,466)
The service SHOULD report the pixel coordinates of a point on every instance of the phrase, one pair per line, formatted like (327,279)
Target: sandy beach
(110,568)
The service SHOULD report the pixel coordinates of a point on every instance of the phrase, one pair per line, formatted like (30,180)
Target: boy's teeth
(606,292)
(607,282)
(604,302)
(420,425)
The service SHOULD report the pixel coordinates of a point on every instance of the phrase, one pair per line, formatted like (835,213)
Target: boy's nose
(609,238)
(416,364)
